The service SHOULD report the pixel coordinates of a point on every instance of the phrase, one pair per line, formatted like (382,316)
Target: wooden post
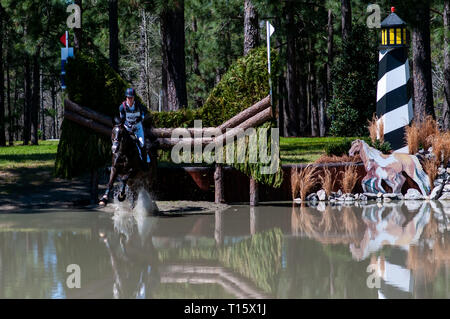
(218,227)
(218,184)
(94,186)
(254,193)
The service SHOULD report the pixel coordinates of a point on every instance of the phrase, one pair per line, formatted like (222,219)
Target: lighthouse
(394,102)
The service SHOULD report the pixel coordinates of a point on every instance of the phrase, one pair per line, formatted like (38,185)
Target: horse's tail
(421,175)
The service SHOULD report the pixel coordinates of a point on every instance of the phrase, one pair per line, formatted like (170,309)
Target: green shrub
(93,83)
(339,149)
(354,84)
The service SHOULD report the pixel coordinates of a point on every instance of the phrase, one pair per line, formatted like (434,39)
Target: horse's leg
(414,173)
(365,183)
(112,177)
(399,180)
(121,197)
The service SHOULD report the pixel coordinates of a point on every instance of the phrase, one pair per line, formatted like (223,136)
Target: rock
(413,194)
(370,195)
(321,206)
(436,192)
(441,171)
(448,170)
(363,197)
(430,149)
(297,200)
(341,198)
(391,196)
(322,195)
(445,196)
(332,200)
(421,151)
(356,196)
(312,197)
(379,199)
(387,199)
(446,188)
(400,196)
(339,193)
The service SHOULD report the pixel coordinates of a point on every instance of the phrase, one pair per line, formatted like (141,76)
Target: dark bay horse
(126,162)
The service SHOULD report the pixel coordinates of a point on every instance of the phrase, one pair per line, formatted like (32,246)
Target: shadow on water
(392,250)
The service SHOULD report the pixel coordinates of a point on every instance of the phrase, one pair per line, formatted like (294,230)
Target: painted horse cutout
(389,168)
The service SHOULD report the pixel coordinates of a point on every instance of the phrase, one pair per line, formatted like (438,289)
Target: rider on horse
(132,114)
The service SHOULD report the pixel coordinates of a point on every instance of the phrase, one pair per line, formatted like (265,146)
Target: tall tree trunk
(251,27)
(8,97)
(329,79)
(27,103)
(2,86)
(55,114)
(196,62)
(315,130)
(113,35)
(346,11)
(35,99)
(173,38)
(143,53)
(78,31)
(41,89)
(446,110)
(291,109)
(16,115)
(423,87)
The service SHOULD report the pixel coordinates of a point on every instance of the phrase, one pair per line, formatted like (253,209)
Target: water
(376,251)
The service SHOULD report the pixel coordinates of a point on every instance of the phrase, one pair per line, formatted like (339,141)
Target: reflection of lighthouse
(394,103)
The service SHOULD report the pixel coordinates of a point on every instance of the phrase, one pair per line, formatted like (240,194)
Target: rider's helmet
(129,92)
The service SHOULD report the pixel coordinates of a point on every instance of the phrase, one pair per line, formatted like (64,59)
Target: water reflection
(261,252)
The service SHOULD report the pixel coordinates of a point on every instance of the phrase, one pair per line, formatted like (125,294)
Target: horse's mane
(371,152)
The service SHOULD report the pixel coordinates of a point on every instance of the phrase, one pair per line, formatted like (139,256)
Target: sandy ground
(34,189)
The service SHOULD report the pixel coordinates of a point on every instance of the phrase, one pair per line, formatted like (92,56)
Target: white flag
(271,28)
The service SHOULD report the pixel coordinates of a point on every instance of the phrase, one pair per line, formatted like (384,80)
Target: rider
(132,114)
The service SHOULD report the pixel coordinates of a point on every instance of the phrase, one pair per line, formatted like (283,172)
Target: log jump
(252,116)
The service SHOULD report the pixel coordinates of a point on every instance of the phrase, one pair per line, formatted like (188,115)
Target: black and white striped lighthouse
(394,102)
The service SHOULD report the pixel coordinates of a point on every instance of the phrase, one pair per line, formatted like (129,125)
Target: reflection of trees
(257,258)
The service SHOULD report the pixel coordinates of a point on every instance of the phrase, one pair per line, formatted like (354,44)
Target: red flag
(63,39)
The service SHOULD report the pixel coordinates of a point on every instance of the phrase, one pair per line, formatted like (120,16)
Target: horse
(126,161)
(389,168)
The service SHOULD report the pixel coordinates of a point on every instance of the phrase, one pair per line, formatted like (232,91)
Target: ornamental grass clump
(327,181)
(441,147)
(431,165)
(427,129)
(349,179)
(305,180)
(376,130)
(412,137)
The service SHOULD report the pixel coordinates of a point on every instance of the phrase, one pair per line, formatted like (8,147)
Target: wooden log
(89,123)
(171,142)
(256,120)
(88,113)
(246,114)
(167,132)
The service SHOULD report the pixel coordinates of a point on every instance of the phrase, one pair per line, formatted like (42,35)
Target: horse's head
(117,134)
(356,147)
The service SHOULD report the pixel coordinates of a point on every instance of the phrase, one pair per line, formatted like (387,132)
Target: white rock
(297,200)
(322,195)
(436,192)
(339,193)
(379,195)
(446,188)
(400,196)
(341,199)
(387,199)
(413,194)
(438,181)
(311,197)
(445,196)
(441,170)
(363,197)
(356,196)
(448,170)
(390,195)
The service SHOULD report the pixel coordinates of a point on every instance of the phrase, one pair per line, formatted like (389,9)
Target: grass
(28,156)
(298,150)
(293,150)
